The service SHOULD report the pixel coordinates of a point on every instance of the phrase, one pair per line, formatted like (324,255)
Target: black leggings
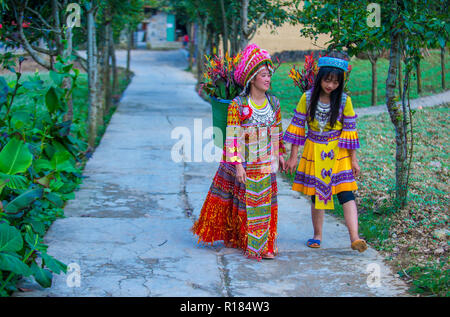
(343,197)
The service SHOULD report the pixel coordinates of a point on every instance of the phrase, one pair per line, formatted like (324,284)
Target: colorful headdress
(253,58)
(333,62)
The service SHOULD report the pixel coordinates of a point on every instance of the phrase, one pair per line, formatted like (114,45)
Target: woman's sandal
(312,243)
(359,245)
(268,255)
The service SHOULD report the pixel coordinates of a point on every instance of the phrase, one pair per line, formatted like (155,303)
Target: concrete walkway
(127,230)
(422,102)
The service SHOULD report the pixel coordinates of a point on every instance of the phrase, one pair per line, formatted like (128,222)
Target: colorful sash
(261,157)
(258,202)
(324,158)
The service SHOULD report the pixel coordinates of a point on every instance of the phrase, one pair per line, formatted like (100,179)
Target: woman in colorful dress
(328,164)
(241,207)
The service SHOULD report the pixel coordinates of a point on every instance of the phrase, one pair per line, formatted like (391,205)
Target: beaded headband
(333,62)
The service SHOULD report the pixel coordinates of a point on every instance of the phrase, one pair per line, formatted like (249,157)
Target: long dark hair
(326,72)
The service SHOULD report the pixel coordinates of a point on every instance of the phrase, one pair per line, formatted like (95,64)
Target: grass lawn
(360,81)
(415,240)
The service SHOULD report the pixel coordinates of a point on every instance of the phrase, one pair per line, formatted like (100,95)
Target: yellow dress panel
(325,167)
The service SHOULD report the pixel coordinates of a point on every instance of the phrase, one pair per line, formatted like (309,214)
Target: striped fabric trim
(323,137)
(349,123)
(351,144)
(294,138)
(299,119)
(308,180)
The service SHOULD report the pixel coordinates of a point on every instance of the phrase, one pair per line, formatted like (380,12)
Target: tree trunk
(419,78)
(216,44)
(92,75)
(374,83)
(373,61)
(57,26)
(101,65)
(397,120)
(244,25)
(234,40)
(247,32)
(191,45)
(67,82)
(201,46)
(107,68)
(443,67)
(225,28)
(129,45)
(112,52)
(399,76)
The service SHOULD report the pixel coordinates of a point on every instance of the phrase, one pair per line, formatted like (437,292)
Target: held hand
(241,175)
(282,163)
(355,168)
(291,164)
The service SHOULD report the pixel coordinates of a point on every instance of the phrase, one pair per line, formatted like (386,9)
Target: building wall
(286,38)
(157,28)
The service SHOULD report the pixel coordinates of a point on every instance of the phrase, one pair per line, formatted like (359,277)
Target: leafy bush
(40,162)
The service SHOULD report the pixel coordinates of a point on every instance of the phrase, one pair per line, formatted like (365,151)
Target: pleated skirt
(342,178)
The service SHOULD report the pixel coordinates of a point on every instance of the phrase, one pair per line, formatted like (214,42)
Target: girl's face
(262,80)
(329,83)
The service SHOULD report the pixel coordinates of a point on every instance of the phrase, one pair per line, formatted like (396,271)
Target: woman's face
(262,80)
(329,83)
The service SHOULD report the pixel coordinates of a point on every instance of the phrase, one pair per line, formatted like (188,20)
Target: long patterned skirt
(241,215)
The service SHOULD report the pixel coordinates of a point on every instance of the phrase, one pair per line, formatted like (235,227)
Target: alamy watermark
(374,17)
(374,277)
(74,17)
(250,144)
(74,277)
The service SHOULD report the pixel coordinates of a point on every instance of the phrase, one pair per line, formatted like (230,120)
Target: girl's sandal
(359,245)
(312,243)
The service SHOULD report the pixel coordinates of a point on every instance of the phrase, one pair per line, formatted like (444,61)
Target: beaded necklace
(323,114)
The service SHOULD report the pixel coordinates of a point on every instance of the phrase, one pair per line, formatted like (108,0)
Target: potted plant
(219,84)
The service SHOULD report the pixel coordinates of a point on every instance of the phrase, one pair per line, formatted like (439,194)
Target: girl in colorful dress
(241,205)
(328,164)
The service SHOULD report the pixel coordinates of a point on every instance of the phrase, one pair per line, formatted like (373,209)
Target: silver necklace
(262,116)
(323,114)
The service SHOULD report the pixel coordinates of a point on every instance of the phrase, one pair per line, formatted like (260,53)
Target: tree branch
(26,44)
(55,13)
(42,19)
(244,18)
(254,27)
(81,59)
(43,50)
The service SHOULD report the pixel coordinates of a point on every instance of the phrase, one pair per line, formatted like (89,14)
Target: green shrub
(40,167)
